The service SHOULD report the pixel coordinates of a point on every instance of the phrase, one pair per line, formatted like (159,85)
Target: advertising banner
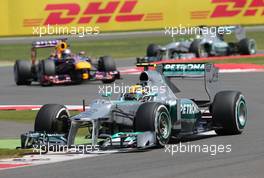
(19,17)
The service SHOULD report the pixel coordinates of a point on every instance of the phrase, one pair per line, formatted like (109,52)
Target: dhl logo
(232,8)
(94,12)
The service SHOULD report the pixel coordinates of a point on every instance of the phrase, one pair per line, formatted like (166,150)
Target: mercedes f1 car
(62,66)
(149,114)
(205,45)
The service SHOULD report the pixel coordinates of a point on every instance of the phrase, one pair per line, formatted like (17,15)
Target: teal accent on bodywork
(107,94)
(120,102)
(178,73)
(190,113)
(130,138)
(242,122)
(170,70)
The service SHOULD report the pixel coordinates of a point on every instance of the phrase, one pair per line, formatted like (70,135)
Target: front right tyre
(46,68)
(52,118)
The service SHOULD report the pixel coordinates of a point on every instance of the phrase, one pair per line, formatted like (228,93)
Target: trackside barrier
(20,17)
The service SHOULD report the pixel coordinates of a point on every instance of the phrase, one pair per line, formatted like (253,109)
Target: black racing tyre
(153,50)
(76,76)
(118,76)
(229,111)
(153,116)
(106,81)
(52,118)
(46,68)
(22,72)
(247,46)
(197,49)
(106,64)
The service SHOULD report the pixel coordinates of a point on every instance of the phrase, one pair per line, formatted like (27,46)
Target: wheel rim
(252,48)
(163,126)
(242,113)
(202,52)
(62,117)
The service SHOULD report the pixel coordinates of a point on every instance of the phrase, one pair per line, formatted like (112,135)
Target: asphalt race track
(36,94)
(245,160)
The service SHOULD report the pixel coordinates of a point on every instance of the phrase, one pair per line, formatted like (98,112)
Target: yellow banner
(22,17)
(4,18)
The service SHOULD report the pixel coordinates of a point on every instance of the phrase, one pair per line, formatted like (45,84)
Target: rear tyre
(229,111)
(198,49)
(22,72)
(46,68)
(247,46)
(153,50)
(108,81)
(154,117)
(106,64)
(53,118)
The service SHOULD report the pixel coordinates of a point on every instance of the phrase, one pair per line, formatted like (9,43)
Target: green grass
(22,116)
(29,117)
(121,48)
(7,146)
(11,153)
(9,143)
(256,60)
(118,48)
(18,116)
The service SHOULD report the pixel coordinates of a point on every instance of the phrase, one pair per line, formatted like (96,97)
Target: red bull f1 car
(63,66)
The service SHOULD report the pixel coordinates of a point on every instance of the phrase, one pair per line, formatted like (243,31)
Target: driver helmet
(66,53)
(135,92)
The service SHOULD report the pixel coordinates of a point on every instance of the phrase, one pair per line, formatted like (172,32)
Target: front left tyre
(22,72)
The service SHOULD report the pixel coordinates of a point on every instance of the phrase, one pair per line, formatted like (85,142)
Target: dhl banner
(19,17)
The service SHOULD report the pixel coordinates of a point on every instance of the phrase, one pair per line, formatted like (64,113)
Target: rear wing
(238,30)
(205,71)
(47,43)
(182,70)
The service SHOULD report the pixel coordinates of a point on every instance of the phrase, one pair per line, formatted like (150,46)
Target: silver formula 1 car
(204,45)
(150,113)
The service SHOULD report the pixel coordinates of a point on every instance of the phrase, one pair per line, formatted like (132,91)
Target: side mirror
(107,94)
